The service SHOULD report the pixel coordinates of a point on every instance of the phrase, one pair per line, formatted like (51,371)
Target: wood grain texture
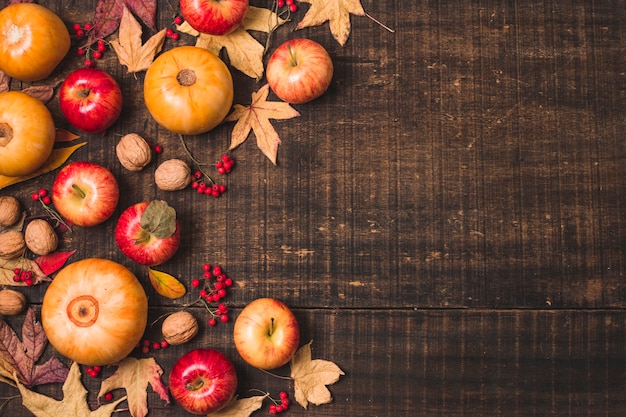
(447,221)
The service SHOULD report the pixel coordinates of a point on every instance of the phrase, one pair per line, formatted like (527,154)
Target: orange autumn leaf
(56,159)
(256,117)
(311,377)
(134,375)
(336,13)
(128,47)
(63,135)
(165,284)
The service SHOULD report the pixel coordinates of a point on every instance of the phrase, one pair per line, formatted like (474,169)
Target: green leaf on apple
(159,219)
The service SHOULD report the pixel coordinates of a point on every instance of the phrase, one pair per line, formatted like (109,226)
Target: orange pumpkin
(188,90)
(33,41)
(27,134)
(94,312)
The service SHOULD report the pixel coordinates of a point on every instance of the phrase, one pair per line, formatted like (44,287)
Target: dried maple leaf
(336,13)
(18,358)
(256,117)
(74,401)
(311,377)
(243,407)
(244,52)
(109,13)
(128,47)
(134,375)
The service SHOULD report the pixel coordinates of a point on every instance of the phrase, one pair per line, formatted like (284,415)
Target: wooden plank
(438,363)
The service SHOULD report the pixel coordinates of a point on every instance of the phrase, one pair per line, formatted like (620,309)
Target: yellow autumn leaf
(165,284)
(56,159)
(310,377)
(63,135)
(335,12)
(256,117)
(128,47)
(240,407)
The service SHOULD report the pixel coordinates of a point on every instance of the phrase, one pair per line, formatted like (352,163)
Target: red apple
(85,193)
(299,71)
(90,99)
(148,232)
(203,381)
(214,17)
(266,333)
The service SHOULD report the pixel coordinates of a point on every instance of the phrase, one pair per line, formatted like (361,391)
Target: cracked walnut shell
(172,175)
(133,152)
(40,237)
(12,244)
(10,210)
(179,328)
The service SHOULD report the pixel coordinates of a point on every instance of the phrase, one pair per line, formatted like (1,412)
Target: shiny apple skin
(266,333)
(154,251)
(214,17)
(99,198)
(299,70)
(90,99)
(203,381)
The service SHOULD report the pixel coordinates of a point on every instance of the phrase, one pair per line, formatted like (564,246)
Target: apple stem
(80,192)
(294,59)
(195,385)
(272,326)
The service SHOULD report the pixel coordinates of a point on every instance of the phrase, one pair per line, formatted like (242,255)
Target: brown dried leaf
(63,135)
(335,12)
(134,375)
(43,93)
(5,82)
(128,47)
(74,401)
(256,117)
(243,407)
(311,377)
(109,13)
(244,52)
(18,358)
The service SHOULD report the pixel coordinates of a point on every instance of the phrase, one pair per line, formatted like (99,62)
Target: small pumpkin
(94,312)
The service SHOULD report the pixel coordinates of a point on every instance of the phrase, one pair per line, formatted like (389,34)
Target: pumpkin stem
(6,134)
(186,77)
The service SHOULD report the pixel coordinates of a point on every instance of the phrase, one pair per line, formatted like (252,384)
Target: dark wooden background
(447,221)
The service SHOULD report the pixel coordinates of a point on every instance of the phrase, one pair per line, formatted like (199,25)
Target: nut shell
(172,175)
(179,328)
(12,244)
(12,302)
(133,152)
(10,210)
(40,237)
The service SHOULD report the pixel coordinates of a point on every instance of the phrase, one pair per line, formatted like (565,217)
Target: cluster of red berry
(93,371)
(279,407)
(26,277)
(42,195)
(147,345)
(223,166)
(171,33)
(81,30)
(213,289)
(289,3)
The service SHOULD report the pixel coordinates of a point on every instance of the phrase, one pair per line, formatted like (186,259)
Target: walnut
(133,152)
(12,244)
(172,175)
(40,237)
(12,302)
(10,210)
(179,328)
